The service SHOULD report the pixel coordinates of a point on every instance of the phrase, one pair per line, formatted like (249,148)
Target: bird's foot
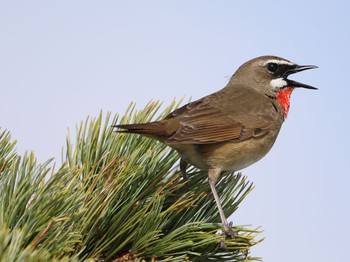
(227,231)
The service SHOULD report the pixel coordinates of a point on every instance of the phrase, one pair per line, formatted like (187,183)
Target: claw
(227,232)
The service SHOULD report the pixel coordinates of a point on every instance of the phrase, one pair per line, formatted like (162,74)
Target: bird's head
(269,74)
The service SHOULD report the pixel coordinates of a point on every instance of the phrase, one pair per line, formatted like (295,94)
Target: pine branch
(115,197)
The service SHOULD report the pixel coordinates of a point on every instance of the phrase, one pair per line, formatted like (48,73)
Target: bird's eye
(272,67)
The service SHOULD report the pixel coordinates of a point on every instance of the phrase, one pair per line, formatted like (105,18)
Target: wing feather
(205,122)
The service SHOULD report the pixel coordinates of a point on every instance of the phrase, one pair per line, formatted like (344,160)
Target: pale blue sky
(61,61)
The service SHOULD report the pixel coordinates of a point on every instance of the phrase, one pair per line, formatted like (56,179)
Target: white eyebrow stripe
(280,62)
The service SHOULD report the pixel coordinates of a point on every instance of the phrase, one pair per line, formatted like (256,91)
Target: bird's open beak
(297,69)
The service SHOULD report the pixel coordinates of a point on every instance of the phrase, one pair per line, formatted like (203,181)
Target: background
(65,60)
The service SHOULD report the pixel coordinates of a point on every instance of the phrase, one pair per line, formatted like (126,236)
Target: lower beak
(296,70)
(298,84)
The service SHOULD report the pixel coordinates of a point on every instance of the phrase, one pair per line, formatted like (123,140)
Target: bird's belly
(227,156)
(236,156)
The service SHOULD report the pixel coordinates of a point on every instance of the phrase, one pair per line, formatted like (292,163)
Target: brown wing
(204,123)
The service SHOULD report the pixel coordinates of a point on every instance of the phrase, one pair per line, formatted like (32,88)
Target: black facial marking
(279,70)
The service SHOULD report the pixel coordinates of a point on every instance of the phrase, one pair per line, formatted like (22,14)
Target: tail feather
(153,129)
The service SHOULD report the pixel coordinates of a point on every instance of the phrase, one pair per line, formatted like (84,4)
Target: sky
(62,61)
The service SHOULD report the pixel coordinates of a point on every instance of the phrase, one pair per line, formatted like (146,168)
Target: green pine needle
(115,197)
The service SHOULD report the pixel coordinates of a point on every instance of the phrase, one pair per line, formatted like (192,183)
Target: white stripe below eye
(278,83)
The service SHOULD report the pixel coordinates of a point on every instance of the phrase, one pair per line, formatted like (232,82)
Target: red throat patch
(283,96)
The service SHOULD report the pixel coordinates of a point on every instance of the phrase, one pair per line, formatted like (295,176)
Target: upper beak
(297,69)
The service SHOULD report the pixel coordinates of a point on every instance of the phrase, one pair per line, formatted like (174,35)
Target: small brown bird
(232,128)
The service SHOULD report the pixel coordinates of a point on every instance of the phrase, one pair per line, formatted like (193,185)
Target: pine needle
(115,197)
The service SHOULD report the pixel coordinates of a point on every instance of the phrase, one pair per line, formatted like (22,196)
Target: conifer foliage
(115,197)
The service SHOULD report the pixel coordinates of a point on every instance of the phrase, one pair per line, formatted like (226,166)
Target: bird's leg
(213,175)
(183,165)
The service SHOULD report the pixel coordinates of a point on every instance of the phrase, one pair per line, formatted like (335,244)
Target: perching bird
(232,128)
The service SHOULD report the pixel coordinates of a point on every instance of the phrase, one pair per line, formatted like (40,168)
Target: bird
(232,128)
